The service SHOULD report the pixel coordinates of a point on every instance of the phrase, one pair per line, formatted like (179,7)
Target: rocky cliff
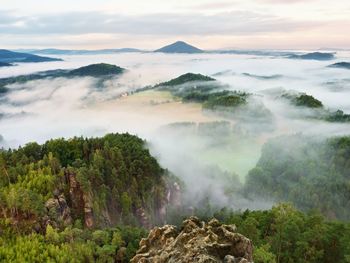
(63,208)
(196,241)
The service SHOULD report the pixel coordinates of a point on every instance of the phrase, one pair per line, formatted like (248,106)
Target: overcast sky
(149,24)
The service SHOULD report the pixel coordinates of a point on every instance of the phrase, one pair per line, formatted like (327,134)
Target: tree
(262,254)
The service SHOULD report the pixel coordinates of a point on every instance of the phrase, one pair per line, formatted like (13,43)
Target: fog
(210,161)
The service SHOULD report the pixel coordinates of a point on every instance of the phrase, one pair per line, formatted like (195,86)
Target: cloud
(225,23)
(216,5)
(284,1)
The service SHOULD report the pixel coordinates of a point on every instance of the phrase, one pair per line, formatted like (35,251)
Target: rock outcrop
(172,199)
(81,201)
(196,241)
(58,212)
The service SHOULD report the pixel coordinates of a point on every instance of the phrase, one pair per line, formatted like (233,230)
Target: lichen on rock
(196,241)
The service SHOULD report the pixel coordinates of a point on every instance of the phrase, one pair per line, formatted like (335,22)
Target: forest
(311,173)
(284,234)
(71,191)
(212,94)
(93,199)
(320,112)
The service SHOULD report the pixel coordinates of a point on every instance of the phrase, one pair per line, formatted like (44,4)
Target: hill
(97,70)
(3,64)
(99,181)
(313,56)
(309,172)
(185,78)
(8,56)
(101,70)
(191,87)
(94,199)
(80,187)
(320,112)
(345,65)
(179,47)
(303,100)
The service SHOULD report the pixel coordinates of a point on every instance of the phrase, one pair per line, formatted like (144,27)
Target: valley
(101,152)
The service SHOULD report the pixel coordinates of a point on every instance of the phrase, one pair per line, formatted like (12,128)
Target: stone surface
(58,212)
(196,241)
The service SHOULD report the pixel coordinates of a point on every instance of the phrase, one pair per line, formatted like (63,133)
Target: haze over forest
(109,129)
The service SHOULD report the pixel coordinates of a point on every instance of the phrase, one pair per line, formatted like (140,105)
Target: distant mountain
(345,65)
(179,47)
(53,51)
(314,56)
(333,49)
(3,64)
(8,56)
(272,53)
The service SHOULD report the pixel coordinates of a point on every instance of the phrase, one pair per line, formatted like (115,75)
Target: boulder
(196,241)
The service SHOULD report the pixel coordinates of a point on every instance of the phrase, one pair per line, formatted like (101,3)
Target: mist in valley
(211,152)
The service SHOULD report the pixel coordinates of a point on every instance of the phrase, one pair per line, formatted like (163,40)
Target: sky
(248,24)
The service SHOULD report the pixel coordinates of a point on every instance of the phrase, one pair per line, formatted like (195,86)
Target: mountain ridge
(56,51)
(8,56)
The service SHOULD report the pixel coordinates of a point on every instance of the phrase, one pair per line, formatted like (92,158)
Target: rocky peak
(196,241)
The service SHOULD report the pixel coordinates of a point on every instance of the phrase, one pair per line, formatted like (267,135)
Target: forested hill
(185,78)
(191,87)
(92,200)
(100,70)
(311,173)
(97,70)
(97,181)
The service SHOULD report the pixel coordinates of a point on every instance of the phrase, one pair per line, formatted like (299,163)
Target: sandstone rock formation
(196,241)
(58,211)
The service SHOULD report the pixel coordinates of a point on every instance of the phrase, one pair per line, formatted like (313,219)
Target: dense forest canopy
(103,181)
(185,78)
(97,70)
(94,199)
(63,191)
(318,110)
(208,91)
(284,234)
(311,173)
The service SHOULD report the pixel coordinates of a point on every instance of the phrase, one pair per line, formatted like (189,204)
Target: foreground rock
(195,242)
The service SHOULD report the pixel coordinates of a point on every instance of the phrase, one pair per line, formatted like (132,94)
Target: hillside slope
(99,181)
(8,56)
